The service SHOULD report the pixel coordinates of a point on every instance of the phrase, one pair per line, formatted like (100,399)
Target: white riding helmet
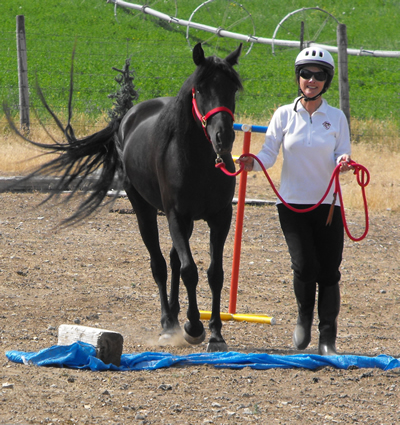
(315,56)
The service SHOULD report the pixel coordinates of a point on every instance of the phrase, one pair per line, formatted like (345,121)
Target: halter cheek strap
(203,118)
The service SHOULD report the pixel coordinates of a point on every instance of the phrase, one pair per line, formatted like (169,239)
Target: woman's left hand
(344,164)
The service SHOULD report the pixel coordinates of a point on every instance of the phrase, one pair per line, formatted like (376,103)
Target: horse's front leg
(219,229)
(175,265)
(181,230)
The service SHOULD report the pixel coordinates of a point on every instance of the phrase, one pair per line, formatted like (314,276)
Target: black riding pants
(315,248)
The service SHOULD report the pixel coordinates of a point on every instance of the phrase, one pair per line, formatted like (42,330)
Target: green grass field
(161,56)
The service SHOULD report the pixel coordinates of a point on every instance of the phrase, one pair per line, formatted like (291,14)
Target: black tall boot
(328,311)
(305,296)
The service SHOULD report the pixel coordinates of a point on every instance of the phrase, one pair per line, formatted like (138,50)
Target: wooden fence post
(22,74)
(343,71)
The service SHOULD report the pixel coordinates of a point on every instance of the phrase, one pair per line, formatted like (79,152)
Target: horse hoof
(194,340)
(213,347)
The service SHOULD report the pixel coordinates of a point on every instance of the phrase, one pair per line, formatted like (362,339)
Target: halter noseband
(203,118)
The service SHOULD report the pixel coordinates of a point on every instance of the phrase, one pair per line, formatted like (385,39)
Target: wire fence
(268,83)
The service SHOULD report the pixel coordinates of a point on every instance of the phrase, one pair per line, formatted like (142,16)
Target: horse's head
(214,89)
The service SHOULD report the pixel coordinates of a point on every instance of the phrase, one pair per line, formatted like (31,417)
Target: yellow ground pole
(254,318)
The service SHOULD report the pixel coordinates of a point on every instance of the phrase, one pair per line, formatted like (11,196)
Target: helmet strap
(306,99)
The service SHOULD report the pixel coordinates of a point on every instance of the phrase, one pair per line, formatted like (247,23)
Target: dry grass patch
(381,156)
(19,157)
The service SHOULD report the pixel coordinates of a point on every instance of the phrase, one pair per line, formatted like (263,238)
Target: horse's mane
(207,69)
(212,63)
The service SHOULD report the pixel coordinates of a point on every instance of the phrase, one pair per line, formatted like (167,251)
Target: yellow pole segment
(206,315)
(253,318)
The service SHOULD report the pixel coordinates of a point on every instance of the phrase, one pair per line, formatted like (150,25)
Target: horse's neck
(189,136)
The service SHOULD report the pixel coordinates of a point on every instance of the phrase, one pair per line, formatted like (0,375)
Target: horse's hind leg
(147,221)
(219,228)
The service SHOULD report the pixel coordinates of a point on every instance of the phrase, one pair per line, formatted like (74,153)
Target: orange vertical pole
(239,226)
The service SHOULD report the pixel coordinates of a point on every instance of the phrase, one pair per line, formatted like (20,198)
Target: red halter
(203,118)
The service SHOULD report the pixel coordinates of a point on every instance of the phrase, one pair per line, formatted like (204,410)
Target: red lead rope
(362,179)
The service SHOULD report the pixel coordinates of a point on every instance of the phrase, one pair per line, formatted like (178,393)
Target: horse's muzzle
(223,142)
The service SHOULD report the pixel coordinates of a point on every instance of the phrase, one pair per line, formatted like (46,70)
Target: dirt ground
(98,275)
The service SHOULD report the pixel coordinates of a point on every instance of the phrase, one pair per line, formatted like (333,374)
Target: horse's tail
(78,158)
(76,161)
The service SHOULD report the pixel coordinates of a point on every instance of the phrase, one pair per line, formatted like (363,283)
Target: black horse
(166,150)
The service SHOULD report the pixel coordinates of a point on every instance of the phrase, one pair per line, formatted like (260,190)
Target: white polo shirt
(312,147)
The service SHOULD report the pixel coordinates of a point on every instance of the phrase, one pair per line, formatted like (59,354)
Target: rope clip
(218,159)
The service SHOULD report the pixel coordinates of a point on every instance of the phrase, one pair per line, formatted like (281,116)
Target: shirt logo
(327,125)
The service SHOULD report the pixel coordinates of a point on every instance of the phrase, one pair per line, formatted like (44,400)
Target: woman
(314,138)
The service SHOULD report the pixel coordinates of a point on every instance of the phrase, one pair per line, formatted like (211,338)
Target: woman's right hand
(247,161)
(344,163)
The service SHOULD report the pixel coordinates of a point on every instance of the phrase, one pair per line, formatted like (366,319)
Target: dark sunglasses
(307,74)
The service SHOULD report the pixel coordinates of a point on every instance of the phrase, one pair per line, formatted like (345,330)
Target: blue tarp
(83,356)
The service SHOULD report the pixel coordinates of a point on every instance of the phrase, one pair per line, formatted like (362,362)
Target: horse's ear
(233,57)
(198,54)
